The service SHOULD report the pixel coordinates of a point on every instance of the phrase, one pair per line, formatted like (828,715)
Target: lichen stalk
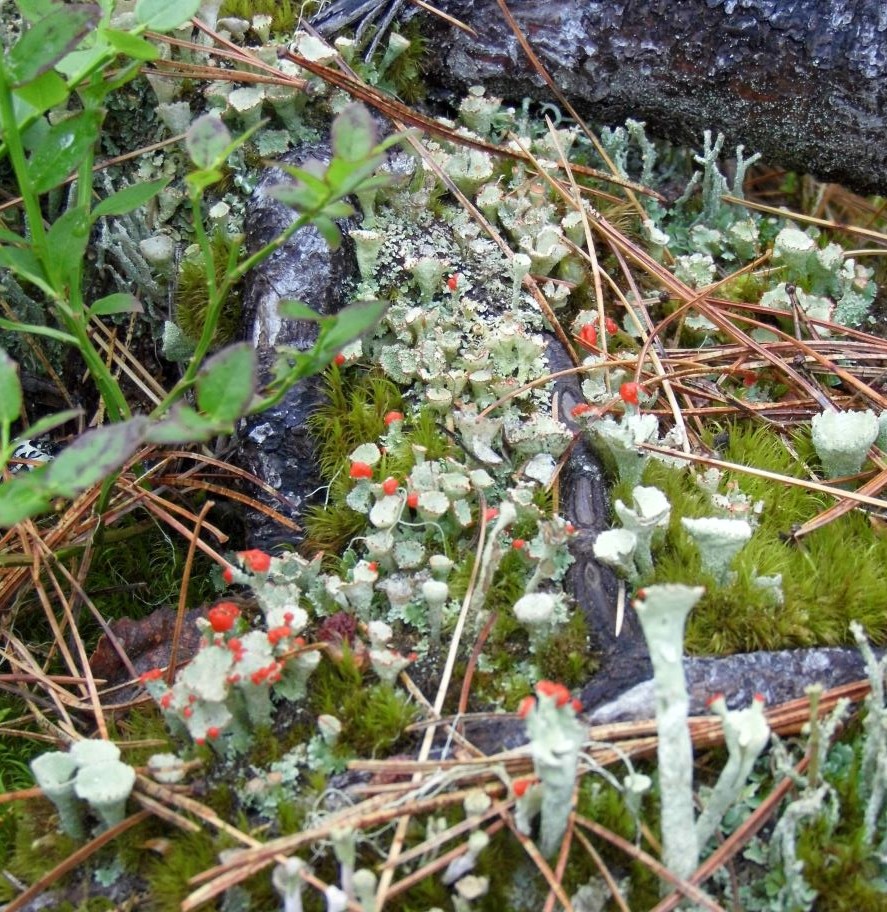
(663,611)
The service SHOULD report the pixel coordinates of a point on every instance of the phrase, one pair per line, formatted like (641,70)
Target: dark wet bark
(778,676)
(623,659)
(803,82)
(276,445)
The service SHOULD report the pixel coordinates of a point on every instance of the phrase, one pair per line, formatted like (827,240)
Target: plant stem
(70,313)
(218,294)
(19,165)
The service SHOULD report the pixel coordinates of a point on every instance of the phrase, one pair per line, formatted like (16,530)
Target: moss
(405,73)
(354,413)
(330,527)
(373,717)
(565,657)
(285,14)
(830,577)
(222,799)
(290,817)
(144,728)
(38,846)
(599,801)
(422,429)
(839,862)
(188,855)
(192,297)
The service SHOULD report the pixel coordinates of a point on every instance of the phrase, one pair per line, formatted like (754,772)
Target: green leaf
(328,230)
(48,40)
(33,135)
(32,10)
(206,141)
(67,239)
(129,198)
(10,390)
(44,92)
(35,329)
(198,181)
(62,150)
(226,383)
(165,15)
(353,133)
(96,92)
(93,456)
(348,324)
(49,423)
(296,310)
(338,209)
(184,425)
(119,302)
(10,237)
(358,178)
(24,496)
(131,45)
(396,138)
(309,178)
(24,263)
(84,60)
(300,197)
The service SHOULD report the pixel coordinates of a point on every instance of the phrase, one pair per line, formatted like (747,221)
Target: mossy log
(803,82)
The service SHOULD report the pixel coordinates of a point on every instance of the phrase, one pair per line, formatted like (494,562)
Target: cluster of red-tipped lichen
(224,633)
(254,560)
(548,690)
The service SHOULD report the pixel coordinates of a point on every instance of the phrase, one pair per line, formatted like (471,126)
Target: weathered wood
(803,82)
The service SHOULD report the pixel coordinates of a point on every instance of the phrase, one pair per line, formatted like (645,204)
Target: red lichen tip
(558,692)
(389,486)
(453,281)
(588,335)
(412,500)
(276,634)
(520,786)
(373,565)
(222,616)
(583,408)
(490,514)
(759,698)
(518,544)
(611,326)
(339,360)
(525,707)
(391,417)
(255,560)
(228,574)
(714,699)
(151,675)
(628,393)
(360,470)
(213,732)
